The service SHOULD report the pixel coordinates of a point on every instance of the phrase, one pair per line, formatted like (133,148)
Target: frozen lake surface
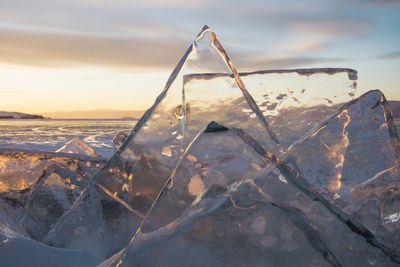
(50,135)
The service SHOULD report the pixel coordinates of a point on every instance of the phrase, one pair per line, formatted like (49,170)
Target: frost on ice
(291,170)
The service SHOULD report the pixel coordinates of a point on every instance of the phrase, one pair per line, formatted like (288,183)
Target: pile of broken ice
(289,170)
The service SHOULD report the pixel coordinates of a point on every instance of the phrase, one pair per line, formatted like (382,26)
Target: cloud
(246,63)
(390,56)
(137,3)
(140,49)
(380,3)
(329,28)
(137,34)
(298,28)
(57,49)
(318,16)
(308,36)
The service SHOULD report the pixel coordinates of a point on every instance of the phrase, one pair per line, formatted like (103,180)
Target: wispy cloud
(330,27)
(137,3)
(55,49)
(390,56)
(48,48)
(155,33)
(245,63)
(380,3)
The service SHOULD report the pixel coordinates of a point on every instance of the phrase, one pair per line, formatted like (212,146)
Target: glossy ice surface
(290,170)
(138,171)
(210,216)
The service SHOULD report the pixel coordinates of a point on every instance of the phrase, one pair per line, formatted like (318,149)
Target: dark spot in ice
(15,198)
(352,74)
(376,104)
(53,208)
(281,96)
(272,107)
(215,127)
(111,210)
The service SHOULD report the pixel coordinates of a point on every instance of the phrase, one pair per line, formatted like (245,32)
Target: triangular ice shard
(338,153)
(179,113)
(352,159)
(376,203)
(229,204)
(216,160)
(137,172)
(78,146)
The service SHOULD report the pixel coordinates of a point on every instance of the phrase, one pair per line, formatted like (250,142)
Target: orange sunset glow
(86,57)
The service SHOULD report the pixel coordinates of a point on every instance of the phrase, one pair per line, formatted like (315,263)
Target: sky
(64,55)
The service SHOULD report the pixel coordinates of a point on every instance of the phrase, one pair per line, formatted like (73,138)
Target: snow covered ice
(277,167)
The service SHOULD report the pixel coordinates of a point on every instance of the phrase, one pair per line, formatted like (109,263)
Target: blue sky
(71,55)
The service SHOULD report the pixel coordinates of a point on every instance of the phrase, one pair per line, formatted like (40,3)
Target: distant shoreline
(5,115)
(74,115)
(117,115)
(95,114)
(51,119)
(395,107)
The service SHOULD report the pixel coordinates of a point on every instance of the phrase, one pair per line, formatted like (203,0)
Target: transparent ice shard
(54,192)
(352,159)
(96,223)
(145,160)
(228,208)
(179,113)
(293,100)
(78,146)
(217,159)
(137,172)
(9,225)
(352,145)
(19,170)
(376,203)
